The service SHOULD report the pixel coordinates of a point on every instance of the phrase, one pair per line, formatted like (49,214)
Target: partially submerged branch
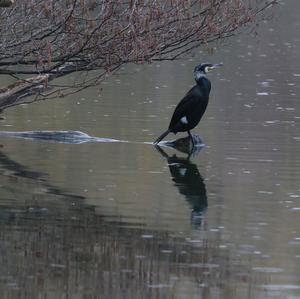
(15,92)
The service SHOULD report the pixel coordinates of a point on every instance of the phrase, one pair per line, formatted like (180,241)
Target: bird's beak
(215,66)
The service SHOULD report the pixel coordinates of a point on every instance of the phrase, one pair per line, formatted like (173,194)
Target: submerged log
(13,94)
(72,137)
(22,88)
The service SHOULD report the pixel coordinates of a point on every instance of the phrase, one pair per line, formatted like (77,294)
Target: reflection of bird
(187,179)
(191,108)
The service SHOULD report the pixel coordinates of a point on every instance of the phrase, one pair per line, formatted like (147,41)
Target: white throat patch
(198,75)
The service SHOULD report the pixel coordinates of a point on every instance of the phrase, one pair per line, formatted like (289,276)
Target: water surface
(126,220)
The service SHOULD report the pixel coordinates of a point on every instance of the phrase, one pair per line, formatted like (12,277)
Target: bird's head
(203,68)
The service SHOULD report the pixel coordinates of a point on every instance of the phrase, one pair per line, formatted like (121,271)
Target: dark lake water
(126,220)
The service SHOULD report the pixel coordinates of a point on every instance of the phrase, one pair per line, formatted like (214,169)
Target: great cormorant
(191,108)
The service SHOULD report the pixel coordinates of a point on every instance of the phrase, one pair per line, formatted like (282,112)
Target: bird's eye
(207,69)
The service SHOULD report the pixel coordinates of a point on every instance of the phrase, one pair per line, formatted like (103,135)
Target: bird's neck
(204,83)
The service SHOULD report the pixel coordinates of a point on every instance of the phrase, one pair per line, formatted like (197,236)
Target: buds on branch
(59,37)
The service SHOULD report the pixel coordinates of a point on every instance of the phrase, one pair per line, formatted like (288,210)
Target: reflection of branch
(18,170)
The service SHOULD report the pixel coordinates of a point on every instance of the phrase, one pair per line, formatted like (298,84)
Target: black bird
(191,108)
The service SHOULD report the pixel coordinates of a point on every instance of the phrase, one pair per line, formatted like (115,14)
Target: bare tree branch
(53,38)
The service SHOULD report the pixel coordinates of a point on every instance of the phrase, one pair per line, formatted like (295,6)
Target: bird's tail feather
(161,137)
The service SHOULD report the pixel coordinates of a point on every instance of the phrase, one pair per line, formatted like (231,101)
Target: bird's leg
(192,138)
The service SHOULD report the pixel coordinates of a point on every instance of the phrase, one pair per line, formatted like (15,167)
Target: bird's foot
(196,140)
(185,145)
